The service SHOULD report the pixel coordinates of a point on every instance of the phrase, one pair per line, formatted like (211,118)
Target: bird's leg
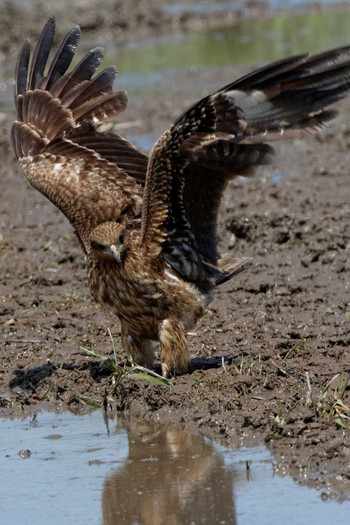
(174,355)
(138,352)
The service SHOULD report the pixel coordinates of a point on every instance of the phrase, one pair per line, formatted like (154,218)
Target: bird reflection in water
(171,477)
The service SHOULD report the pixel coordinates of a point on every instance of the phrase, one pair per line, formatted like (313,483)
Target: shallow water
(142,66)
(77,471)
(250,41)
(88,469)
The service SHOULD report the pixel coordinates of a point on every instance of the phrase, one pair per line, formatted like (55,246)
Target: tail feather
(231,266)
(226,268)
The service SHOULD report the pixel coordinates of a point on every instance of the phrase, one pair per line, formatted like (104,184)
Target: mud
(271,356)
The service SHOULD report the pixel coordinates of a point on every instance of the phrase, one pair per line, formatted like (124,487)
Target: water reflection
(171,477)
(78,472)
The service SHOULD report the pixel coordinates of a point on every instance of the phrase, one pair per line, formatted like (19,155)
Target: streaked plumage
(148,225)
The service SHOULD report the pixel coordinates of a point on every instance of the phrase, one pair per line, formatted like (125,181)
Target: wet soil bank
(271,356)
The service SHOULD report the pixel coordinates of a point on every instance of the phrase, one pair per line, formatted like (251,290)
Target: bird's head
(107,241)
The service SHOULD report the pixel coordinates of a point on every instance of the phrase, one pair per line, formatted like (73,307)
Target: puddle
(86,469)
(249,41)
(224,5)
(142,66)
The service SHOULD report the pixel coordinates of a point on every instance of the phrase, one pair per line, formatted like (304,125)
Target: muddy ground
(283,328)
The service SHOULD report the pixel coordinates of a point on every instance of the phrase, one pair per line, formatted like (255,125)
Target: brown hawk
(148,226)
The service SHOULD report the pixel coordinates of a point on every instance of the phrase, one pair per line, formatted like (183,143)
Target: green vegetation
(329,404)
(247,42)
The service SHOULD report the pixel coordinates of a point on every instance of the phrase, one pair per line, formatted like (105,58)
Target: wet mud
(270,359)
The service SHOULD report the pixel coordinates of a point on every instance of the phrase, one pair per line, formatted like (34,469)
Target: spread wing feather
(223,135)
(82,185)
(93,177)
(55,136)
(40,55)
(62,59)
(115,149)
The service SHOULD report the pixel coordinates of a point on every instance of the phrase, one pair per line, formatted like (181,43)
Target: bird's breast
(142,300)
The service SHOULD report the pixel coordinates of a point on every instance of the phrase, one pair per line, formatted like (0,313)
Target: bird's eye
(121,238)
(97,246)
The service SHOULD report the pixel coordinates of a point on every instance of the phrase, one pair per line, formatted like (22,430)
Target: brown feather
(152,247)
(87,186)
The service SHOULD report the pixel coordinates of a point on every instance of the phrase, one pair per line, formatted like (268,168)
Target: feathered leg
(138,350)
(174,354)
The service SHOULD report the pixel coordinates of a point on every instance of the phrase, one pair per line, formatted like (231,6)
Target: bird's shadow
(206,363)
(31,378)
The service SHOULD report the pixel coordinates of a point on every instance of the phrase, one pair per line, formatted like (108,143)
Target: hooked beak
(115,251)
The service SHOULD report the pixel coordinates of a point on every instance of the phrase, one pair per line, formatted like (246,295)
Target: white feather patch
(171,275)
(247,100)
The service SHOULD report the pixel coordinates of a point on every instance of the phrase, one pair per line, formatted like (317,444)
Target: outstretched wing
(223,135)
(91,177)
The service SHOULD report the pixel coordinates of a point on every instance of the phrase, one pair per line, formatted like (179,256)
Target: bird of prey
(148,225)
